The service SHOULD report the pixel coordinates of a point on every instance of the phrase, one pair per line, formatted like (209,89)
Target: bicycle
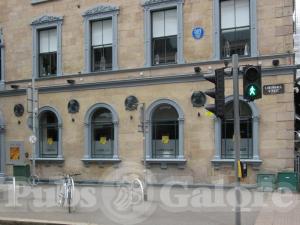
(66,191)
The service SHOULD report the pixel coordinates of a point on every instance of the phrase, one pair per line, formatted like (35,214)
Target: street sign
(273,89)
(32,139)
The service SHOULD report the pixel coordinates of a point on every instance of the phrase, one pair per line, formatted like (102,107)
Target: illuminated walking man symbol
(252,91)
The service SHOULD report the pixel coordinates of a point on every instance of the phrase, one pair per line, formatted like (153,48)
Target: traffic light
(252,82)
(217,93)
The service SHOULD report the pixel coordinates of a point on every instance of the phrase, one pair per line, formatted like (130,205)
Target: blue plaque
(198,33)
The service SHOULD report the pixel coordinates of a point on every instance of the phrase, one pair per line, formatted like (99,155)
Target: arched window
(249,131)
(246,145)
(101,134)
(164,120)
(165,135)
(49,134)
(102,130)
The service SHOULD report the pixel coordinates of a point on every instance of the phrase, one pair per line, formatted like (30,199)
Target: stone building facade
(100,52)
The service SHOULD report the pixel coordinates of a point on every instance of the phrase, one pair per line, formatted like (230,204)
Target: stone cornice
(152,2)
(46,19)
(100,9)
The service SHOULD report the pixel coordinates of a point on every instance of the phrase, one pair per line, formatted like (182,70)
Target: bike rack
(139,182)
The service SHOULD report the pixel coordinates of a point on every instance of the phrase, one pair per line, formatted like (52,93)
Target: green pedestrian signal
(252,82)
(252,91)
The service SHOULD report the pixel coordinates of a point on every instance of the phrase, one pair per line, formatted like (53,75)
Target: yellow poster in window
(50,141)
(14,153)
(165,139)
(102,140)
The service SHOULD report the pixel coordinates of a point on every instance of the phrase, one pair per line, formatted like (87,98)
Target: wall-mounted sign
(198,33)
(273,89)
(15,150)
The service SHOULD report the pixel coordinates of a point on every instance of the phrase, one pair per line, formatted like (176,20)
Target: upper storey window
(164,37)
(46,56)
(235,28)
(101,46)
(163,32)
(47,52)
(101,38)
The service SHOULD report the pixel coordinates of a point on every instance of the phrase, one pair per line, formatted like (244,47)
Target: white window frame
(156,5)
(100,12)
(44,23)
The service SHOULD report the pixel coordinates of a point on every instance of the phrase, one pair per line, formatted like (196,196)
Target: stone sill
(164,162)
(100,161)
(49,160)
(254,162)
(34,2)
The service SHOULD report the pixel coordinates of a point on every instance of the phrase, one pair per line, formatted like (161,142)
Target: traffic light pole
(236,141)
(34,112)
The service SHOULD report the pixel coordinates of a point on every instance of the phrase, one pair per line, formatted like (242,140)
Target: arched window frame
(2,145)
(180,160)
(88,135)
(59,157)
(256,161)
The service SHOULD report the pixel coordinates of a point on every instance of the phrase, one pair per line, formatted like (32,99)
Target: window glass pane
(48,41)
(245,131)
(227,14)
(102,58)
(242,13)
(235,41)
(159,46)
(171,22)
(97,33)
(107,32)
(165,112)
(52,40)
(47,64)
(44,41)
(158,29)
(48,134)
(171,49)
(102,115)
(102,133)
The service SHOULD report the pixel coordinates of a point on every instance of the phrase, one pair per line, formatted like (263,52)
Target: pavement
(108,205)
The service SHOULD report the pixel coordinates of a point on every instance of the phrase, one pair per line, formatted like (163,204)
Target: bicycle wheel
(62,195)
